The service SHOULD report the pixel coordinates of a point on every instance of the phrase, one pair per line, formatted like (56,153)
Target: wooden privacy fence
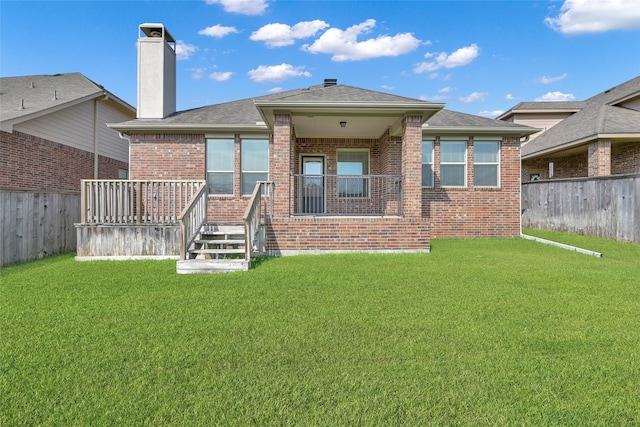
(607,207)
(36,224)
(135,202)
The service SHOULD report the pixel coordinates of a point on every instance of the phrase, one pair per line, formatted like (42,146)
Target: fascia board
(582,141)
(186,127)
(473,131)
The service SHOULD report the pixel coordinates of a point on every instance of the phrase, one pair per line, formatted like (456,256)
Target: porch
(172,219)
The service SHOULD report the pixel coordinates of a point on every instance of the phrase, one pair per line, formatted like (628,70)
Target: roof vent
(330,82)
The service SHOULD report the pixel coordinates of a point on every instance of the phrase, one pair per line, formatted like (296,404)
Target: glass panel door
(312,186)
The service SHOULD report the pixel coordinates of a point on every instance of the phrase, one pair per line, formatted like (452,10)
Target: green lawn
(478,332)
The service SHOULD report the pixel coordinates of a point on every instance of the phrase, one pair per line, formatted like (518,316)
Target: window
(255,163)
(123,174)
(453,163)
(220,161)
(352,164)
(427,163)
(486,158)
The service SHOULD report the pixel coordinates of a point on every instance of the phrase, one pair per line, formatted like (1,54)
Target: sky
(477,57)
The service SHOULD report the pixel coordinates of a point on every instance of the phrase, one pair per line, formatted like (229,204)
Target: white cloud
(217,31)
(184,50)
(275,89)
(460,57)
(220,77)
(387,87)
(243,7)
(277,73)
(197,73)
(473,97)
(278,35)
(556,96)
(548,80)
(344,44)
(447,89)
(490,114)
(595,16)
(509,97)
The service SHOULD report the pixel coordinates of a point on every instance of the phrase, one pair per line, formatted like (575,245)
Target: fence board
(606,207)
(37,224)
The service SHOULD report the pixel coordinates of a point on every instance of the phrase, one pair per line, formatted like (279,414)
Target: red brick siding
(600,158)
(563,167)
(167,156)
(476,212)
(625,158)
(347,234)
(30,162)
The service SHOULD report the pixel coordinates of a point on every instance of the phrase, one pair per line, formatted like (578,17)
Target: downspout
(95,139)
(127,138)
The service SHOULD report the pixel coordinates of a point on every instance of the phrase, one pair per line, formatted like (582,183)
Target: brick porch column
(412,167)
(600,158)
(280,164)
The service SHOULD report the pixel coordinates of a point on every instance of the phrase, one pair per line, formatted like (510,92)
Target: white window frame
(464,163)
(496,163)
(431,163)
(221,171)
(366,181)
(244,172)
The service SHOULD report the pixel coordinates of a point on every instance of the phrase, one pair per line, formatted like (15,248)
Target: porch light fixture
(343,124)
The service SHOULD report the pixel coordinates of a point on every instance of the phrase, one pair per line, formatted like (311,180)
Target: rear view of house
(327,168)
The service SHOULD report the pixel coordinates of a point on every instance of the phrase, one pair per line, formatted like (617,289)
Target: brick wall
(600,158)
(346,234)
(625,158)
(30,162)
(575,166)
(167,156)
(476,211)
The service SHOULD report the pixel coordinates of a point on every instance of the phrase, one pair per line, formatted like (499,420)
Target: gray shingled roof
(24,97)
(244,111)
(599,115)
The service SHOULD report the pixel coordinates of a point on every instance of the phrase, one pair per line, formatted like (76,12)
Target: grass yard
(478,332)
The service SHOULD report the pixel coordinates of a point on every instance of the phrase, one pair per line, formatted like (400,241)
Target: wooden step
(219,241)
(217,251)
(207,266)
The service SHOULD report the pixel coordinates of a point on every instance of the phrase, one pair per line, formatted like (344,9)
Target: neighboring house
(53,132)
(339,168)
(596,137)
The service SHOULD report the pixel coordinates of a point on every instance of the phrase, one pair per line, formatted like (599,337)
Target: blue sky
(478,57)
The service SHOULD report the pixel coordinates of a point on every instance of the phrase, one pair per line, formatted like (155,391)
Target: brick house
(53,132)
(596,137)
(328,168)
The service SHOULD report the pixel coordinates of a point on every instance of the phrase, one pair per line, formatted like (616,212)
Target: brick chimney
(156,72)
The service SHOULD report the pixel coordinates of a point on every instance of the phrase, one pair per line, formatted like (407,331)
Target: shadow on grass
(258,262)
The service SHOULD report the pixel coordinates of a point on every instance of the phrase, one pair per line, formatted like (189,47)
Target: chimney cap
(156,30)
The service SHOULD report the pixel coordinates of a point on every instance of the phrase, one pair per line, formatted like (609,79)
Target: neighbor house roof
(28,97)
(316,101)
(603,116)
(543,106)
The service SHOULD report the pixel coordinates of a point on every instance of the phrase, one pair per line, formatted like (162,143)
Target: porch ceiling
(313,126)
(363,119)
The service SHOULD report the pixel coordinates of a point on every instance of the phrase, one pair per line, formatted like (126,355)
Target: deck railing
(347,195)
(135,202)
(260,207)
(191,220)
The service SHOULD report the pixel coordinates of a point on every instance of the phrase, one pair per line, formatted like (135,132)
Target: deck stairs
(218,248)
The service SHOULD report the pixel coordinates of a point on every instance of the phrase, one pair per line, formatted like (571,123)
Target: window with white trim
(352,165)
(427,163)
(453,163)
(486,163)
(255,163)
(220,163)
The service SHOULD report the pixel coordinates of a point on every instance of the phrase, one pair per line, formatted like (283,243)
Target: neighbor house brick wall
(600,158)
(476,211)
(625,158)
(575,166)
(30,162)
(167,156)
